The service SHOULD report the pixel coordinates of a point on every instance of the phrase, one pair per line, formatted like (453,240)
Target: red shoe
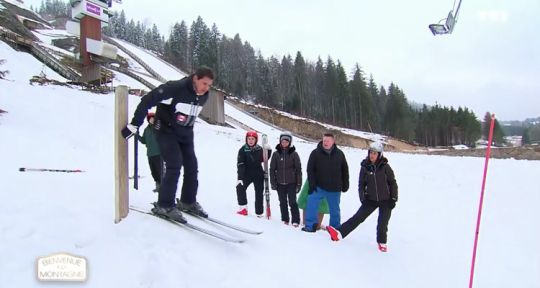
(334,233)
(242,212)
(286,223)
(383,247)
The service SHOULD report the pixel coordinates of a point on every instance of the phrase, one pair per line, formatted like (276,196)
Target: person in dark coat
(286,177)
(249,170)
(328,176)
(178,105)
(377,188)
(152,150)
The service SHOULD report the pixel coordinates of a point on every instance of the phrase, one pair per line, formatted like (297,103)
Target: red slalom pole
(488,153)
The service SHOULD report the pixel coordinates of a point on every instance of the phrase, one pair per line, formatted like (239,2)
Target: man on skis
(178,105)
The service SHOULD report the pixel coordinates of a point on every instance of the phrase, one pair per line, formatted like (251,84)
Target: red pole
(488,153)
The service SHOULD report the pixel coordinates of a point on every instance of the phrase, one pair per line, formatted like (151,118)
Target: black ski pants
(258,183)
(363,212)
(177,151)
(287,197)
(156,165)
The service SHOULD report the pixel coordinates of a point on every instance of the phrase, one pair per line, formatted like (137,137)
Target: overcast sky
(491,62)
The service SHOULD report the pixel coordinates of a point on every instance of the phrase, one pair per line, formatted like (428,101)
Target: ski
(266,185)
(220,222)
(224,224)
(191,226)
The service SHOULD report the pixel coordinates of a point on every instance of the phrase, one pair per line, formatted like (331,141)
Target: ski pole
(49,170)
(135,161)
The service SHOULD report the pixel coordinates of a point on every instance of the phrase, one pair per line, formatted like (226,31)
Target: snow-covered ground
(430,233)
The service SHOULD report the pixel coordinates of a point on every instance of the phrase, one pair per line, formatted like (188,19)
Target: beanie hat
(286,136)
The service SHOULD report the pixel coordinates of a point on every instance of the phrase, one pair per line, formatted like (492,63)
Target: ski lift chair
(446,28)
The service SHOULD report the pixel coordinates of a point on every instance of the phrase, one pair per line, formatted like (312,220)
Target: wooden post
(121,196)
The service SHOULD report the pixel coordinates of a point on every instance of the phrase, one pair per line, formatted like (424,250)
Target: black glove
(129,131)
(298,188)
(392,204)
(273,187)
(370,168)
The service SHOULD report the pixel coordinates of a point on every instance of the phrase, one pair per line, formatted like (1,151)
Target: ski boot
(193,208)
(172,213)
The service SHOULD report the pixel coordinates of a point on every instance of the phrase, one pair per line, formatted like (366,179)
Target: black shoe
(311,230)
(172,213)
(194,208)
(305,229)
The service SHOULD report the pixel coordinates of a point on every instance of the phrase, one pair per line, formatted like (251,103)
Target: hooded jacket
(376,181)
(285,167)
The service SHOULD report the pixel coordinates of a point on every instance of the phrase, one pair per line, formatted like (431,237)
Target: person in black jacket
(328,175)
(249,170)
(178,105)
(377,188)
(286,177)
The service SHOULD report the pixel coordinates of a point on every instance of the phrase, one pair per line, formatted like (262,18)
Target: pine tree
(299,94)
(248,56)
(225,57)
(199,42)
(331,83)
(157,40)
(320,90)
(363,102)
(237,67)
(378,112)
(120,28)
(213,48)
(342,102)
(286,79)
(399,116)
(498,134)
(526,136)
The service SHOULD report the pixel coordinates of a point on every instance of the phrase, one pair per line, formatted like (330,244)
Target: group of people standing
(327,178)
(169,137)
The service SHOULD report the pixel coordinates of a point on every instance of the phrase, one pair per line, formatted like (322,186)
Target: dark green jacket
(149,139)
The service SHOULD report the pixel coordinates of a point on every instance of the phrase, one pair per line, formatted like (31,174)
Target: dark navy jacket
(177,106)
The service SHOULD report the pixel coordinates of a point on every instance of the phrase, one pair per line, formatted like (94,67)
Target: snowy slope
(164,69)
(430,234)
